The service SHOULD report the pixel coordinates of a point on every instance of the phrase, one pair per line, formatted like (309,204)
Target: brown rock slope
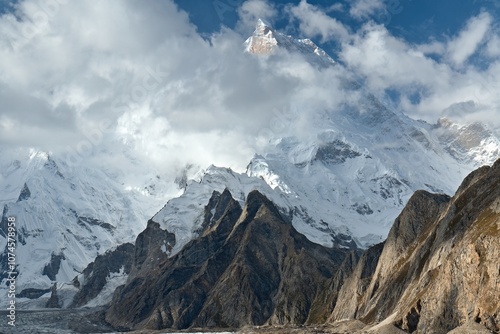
(438,271)
(439,268)
(248,267)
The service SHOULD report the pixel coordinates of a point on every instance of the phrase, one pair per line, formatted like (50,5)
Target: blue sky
(414,20)
(448,32)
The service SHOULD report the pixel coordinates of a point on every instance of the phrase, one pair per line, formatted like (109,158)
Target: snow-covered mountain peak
(472,143)
(341,183)
(262,41)
(37,154)
(261,23)
(265,41)
(69,214)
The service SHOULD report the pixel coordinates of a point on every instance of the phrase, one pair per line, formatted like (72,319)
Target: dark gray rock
(25,193)
(96,273)
(87,221)
(148,246)
(53,301)
(52,268)
(336,152)
(249,267)
(32,293)
(355,285)
(4,222)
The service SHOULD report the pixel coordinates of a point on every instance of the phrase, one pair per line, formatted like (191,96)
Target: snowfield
(340,184)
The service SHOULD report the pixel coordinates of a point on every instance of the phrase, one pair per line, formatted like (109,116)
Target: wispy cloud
(252,10)
(363,9)
(177,97)
(469,39)
(430,78)
(314,22)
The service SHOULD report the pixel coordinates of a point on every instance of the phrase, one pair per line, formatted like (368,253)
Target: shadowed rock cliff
(438,270)
(439,267)
(248,267)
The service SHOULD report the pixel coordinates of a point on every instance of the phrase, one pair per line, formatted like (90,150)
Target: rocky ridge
(249,266)
(439,266)
(266,41)
(71,214)
(437,271)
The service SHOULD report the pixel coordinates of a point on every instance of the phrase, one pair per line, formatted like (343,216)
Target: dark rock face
(356,284)
(25,193)
(4,222)
(32,293)
(86,221)
(148,246)
(439,266)
(248,267)
(4,263)
(362,208)
(437,270)
(215,209)
(96,273)
(52,268)
(389,188)
(336,152)
(327,297)
(53,301)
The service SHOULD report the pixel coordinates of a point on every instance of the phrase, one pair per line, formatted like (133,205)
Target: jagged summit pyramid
(262,41)
(265,40)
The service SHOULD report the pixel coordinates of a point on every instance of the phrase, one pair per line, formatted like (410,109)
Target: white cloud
(168,93)
(432,48)
(362,9)
(252,10)
(469,39)
(179,98)
(493,47)
(428,86)
(336,7)
(313,22)
(389,62)
(144,68)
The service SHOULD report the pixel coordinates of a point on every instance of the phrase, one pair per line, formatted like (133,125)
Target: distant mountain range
(437,270)
(304,208)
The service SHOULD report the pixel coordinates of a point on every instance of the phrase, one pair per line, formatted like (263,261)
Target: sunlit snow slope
(341,184)
(68,214)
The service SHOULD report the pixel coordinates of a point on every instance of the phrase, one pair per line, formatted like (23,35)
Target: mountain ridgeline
(437,271)
(248,266)
(341,185)
(298,238)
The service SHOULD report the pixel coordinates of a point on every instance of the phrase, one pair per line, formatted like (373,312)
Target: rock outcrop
(25,193)
(94,277)
(438,270)
(53,301)
(51,269)
(247,267)
(151,245)
(439,267)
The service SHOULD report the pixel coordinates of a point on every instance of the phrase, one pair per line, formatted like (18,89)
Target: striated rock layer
(247,267)
(438,270)
(439,267)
